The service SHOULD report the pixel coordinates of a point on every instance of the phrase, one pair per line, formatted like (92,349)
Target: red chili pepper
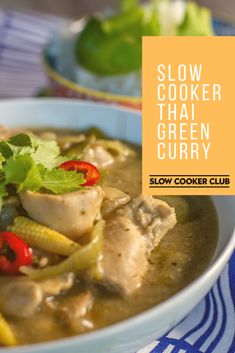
(91,173)
(14,253)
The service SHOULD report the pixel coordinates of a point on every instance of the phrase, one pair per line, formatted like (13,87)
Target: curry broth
(182,255)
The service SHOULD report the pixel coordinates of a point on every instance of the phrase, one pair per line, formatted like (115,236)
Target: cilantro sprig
(46,153)
(59,181)
(30,163)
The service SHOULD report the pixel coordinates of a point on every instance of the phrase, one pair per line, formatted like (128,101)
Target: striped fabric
(210,327)
(22,36)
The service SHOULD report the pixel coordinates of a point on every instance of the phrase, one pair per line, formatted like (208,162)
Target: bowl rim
(102,333)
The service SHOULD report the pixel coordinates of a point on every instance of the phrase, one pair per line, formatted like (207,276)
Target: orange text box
(188,115)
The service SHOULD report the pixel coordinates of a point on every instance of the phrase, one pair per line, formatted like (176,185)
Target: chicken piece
(98,156)
(64,141)
(102,153)
(113,199)
(71,214)
(116,148)
(48,136)
(75,307)
(130,235)
(153,218)
(19,297)
(57,285)
(124,260)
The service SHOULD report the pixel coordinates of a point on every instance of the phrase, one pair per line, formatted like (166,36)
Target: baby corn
(82,259)
(39,236)
(7,337)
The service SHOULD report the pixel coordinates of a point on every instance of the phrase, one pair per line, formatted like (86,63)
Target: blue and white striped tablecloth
(22,36)
(210,327)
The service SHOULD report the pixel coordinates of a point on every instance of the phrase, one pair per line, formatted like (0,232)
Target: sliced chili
(91,173)
(14,253)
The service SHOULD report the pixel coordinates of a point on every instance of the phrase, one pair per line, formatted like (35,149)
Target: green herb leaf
(47,154)
(30,163)
(3,191)
(5,149)
(42,152)
(2,160)
(18,144)
(22,171)
(59,181)
(20,140)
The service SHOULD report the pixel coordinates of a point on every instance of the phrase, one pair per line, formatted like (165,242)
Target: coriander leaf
(20,140)
(3,191)
(47,154)
(5,149)
(2,160)
(22,171)
(18,144)
(61,159)
(42,152)
(59,181)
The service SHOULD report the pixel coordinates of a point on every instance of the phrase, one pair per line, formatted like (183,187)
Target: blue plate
(223,28)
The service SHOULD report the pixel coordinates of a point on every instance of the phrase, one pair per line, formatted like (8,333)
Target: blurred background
(75,8)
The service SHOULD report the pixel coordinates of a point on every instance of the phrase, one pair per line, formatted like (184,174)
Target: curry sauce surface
(182,255)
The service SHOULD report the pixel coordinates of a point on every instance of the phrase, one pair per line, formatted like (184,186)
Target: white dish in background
(132,334)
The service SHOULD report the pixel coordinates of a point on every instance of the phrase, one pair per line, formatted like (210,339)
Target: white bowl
(132,334)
